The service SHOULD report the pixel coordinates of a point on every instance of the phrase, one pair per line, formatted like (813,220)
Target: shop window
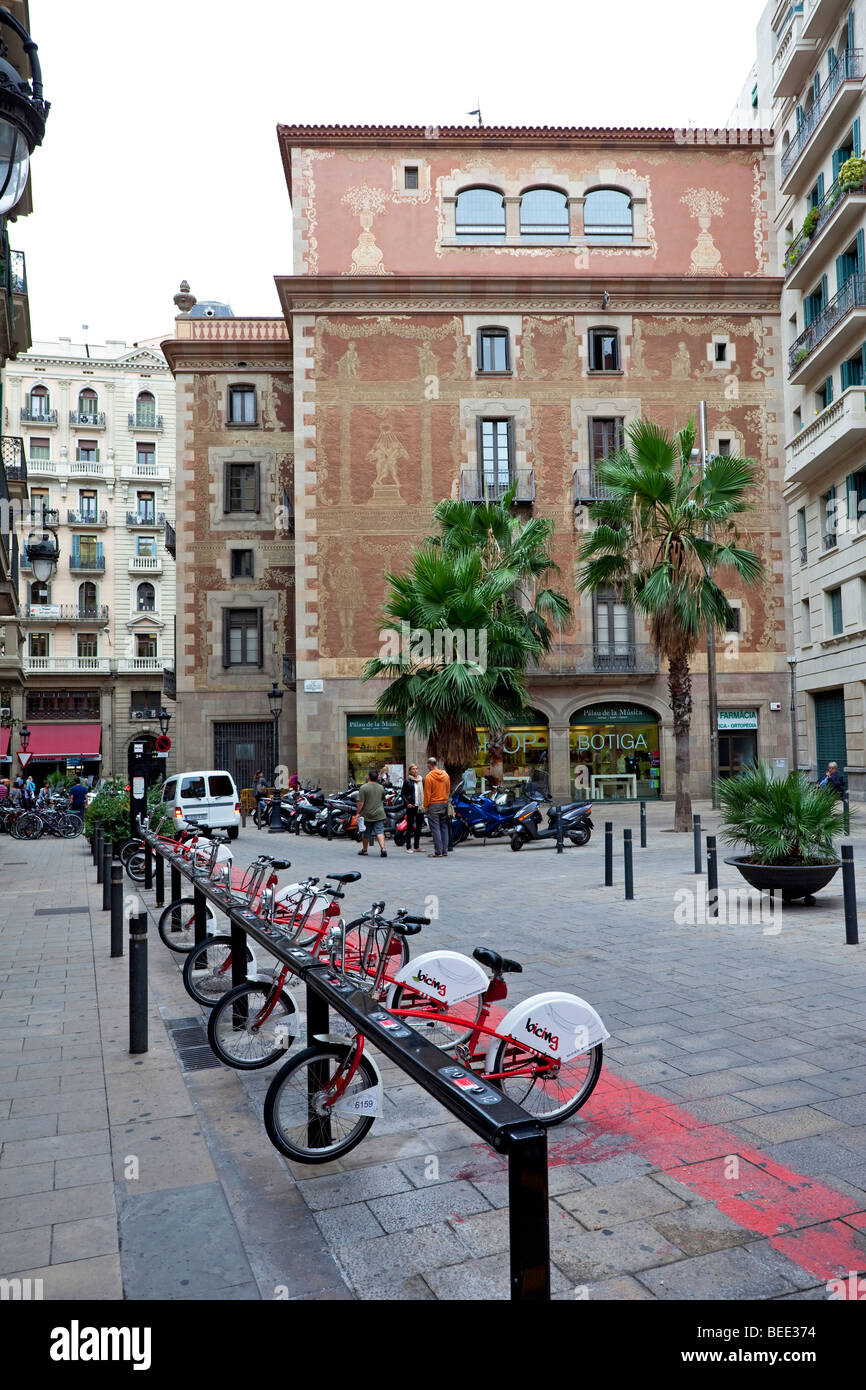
(524,754)
(373,742)
(614,752)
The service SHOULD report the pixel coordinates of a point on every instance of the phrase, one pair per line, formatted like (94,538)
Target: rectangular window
(805,622)
(86,548)
(146,701)
(494,354)
(735,624)
(856,488)
(39,503)
(38,644)
(852,372)
(146,506)
(496,453)
(824,396)
(724,450)
(242,564)
(242,405)
(410,177)
(603,350)
(834,597)
(721,352)
(87,451)
(87,505)
(241,487)
(242,637)
(145,458)
(605,437)
(801,535)
(40,449)
(829,519)
(88,645)
(145,545)
(145,646)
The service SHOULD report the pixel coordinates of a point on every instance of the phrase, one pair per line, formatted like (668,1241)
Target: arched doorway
(614,752)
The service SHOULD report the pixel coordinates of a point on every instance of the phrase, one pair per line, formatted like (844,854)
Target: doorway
(736,753)
(830,744)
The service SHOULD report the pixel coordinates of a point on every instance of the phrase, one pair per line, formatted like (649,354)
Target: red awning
(51,743)
(5,737)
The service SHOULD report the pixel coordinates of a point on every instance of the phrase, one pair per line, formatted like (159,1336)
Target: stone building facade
(98,428)
(235,546)
(441,310)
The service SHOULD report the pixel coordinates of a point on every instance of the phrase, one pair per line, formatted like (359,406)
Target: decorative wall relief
(367,202)
(704,204)
(386,453)
(637,361)
(347,366)
(208,402)
(681,363)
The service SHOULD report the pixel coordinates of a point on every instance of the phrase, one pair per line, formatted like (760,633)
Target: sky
(160,160)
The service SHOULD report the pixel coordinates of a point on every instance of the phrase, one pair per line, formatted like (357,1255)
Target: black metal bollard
(696,829)
(628,863)
(712,877)
(849,890)
(116,905)
(330,824)
(559,844)
(275,821)
(97,853)
(159,876)
(846,824)
(106,875)
(148,866)
(608,854)
(176,886)
(138,983)
(199,915)
(643,825)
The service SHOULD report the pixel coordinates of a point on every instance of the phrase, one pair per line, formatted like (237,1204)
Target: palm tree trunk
(680,688)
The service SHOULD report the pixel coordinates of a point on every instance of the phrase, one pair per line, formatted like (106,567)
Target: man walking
(437,789)
(371,805)
(77,797)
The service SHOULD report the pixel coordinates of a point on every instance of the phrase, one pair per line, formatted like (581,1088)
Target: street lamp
(24,737)
(795,757)
(164,720)
(23,113)
(43,552)
(275,700)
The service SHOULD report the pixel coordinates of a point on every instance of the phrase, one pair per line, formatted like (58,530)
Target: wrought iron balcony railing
(93,419)
(851,296)
(170,539)
(597,659)
(146,420)
(169,683)
(138,713)
(835,194)
(490,487)
(848,66)
(146,519)
(14,458)
(586,486)
(38,416)
(66,613)
(87,518)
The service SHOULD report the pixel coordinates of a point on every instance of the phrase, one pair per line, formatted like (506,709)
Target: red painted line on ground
(812,1224)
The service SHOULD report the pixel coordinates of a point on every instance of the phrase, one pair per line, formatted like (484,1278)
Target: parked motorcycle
(487,816)
(576,824)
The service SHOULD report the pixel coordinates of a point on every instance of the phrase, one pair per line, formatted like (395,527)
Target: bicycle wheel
(454,1024)
(69,825)
(295,1119)
(355,938)
(129,848)
(237,1035)
(179,935)
(28,827)
(551,1094)
(207,970)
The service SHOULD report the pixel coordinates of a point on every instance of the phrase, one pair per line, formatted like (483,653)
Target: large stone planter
(791,880)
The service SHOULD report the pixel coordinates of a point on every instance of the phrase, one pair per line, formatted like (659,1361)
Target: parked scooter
(486,816)
(576,824)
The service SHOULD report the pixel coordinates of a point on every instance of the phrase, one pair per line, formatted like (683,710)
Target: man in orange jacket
(437,790)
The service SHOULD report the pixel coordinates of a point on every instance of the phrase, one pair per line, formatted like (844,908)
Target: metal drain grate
(191,1044)
(58,911)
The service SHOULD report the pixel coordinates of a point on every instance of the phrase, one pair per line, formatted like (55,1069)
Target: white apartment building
(809,80)
(98,431)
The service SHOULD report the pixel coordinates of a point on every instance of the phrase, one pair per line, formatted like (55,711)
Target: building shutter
(828,390)
(851,496)
(850,28)
(816,85)
(819,189)
(831,60)
(863,363)
(861,252)
(838,160)
(225,637)
(855,137)
(823,291)
(799,116)
(845,376)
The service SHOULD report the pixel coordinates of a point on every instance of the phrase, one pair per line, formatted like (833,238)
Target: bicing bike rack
(502,1124)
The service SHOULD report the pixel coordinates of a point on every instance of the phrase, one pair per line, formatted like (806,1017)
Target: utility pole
(795,754)
(711,639)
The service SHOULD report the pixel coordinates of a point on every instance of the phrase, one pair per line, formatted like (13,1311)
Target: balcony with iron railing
(169,683)
(147,420)
(65,613)
(839,92)
(86,518)
(89,560)
(145,564)
(477,486)
(170,539)
(829,333)
(794,56)
(832,223)
(587,488)
(14,460)
(89,419)
(42,516)
(153,520)
(598,659)
(31,415)
(13,274)
(136,712)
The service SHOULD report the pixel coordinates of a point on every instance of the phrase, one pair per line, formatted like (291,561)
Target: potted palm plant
(788,827)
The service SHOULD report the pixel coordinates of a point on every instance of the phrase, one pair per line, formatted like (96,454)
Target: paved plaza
(722,1156)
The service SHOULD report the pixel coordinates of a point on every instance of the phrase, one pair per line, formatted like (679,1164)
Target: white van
(204,798)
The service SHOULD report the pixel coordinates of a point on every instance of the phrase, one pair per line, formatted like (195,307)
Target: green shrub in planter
(810,222)
(801,355)
(853,172)
(780,820)
(110,809)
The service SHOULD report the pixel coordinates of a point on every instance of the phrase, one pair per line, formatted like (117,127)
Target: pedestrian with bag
(371,806)
(437,791)
(413,795)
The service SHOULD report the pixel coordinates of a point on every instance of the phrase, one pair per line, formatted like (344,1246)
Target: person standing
(294,783)
(29,791)
(260,791)
(371,805)
(437,789)
(77,798)
(413,795)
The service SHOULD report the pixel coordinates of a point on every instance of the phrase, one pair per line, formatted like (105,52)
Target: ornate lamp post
(275,700)
(23,113)
(795,757)
(164,720)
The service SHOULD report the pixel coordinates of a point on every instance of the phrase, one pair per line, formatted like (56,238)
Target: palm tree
(442,692)
(511,547)
(661,533)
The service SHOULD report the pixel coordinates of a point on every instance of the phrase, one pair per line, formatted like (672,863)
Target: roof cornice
(356,294)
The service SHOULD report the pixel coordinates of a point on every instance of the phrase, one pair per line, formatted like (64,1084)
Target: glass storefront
(738,740)
(373,742)
(614,752)
(525,755)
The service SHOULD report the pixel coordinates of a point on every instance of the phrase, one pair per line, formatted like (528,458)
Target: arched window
(39,592)
(88,406)
(145,410)
(87,599)
(544,215)
(607,216)
(39,403)
(480,216)
(145,598)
